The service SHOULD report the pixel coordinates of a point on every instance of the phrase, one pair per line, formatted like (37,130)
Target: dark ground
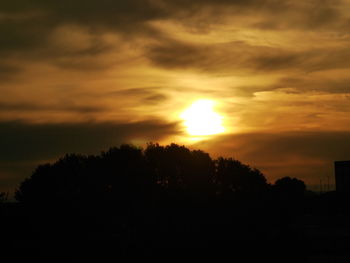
(180,232)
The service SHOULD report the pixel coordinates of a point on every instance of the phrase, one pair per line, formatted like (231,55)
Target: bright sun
(200,119)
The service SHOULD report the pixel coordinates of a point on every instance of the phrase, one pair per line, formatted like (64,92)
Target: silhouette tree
(36,187)
(170,195)
(289,188)
(234,177)
(60,182)
(289,194)
(177,168)
(201,173)
(128,174)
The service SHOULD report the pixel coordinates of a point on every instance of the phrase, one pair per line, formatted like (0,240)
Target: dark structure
(342,176)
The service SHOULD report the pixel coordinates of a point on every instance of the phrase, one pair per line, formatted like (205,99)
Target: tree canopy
(129,174)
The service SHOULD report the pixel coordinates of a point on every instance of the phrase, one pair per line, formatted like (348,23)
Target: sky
(81,76)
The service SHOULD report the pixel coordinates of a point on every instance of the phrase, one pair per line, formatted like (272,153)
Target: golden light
(200,119)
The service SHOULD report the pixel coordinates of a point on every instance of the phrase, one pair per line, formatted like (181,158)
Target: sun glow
(200,119)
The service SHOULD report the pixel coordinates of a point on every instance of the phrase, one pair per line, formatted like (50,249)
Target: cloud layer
(307,155)
(26,145)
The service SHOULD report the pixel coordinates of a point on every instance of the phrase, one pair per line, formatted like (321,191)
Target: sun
(200,119)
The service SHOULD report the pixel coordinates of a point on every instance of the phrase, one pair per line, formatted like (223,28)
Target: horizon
(324,185)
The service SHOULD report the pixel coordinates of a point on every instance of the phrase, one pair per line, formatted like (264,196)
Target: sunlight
(200,119)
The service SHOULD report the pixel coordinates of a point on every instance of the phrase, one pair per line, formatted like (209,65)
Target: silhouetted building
(342,176)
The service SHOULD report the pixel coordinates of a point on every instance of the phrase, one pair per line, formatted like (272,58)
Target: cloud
(305,155)
(213,58)
(8,71)
(25,145)
(7,106)
(239,56)
(315,83)
(146,95)
(308,15)
(155,98)
(276,15)
(71,34)
(24,141)
(28,24)
(114,14)
(175,54)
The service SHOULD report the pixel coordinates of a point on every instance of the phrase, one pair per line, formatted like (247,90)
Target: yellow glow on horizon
(200,119)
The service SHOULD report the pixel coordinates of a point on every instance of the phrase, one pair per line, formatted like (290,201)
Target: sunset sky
(84,75)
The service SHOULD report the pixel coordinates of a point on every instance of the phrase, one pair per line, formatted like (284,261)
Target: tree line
(128,171)
(129,175)
(168,197)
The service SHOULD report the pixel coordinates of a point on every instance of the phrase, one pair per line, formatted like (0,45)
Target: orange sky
(86,75)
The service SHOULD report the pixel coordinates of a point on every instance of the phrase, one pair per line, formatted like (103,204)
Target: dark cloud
(81,63)
(318,84)
(114,14)
(271,14)
(255,5)
(155,98)
(23,141)
(219,57)
(33,41)
(26,30)
(148,95)
(240,56)
(7,106)
(8,71)
(25,145)
(307,155)
(275,60)
(28,25)
(175,54)
(141,91)
(18,35)
(307,61)
(311,15)
(320,145)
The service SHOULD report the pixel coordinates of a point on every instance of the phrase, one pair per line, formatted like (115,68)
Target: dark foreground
(244,233)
